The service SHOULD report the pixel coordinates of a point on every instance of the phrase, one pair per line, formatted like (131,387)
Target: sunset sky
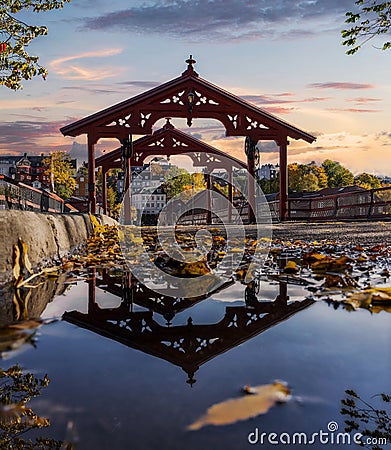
(283,55)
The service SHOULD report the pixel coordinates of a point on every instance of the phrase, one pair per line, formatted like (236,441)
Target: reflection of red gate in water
(187,346)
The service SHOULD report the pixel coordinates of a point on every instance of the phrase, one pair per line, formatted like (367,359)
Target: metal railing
(371,204)
(374,204)
(16,195)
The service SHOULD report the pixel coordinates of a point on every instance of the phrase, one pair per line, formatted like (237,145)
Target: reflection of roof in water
(187,346)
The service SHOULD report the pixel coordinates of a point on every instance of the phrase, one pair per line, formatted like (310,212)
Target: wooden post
(208,199)
(104,189)
(127,193)
(283,144)
(91,289)
(230,195)
(91,175)
(250,152)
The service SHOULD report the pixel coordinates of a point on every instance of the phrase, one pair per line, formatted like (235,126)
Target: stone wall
(48,237)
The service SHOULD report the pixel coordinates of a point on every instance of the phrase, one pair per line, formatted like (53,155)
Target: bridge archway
(189,96)
(169,141)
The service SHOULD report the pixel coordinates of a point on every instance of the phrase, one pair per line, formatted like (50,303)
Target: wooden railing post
(370,210)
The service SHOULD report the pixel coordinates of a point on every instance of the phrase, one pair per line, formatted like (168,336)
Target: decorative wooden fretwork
(157,143)
(144,119)
(203,99)
(122,122)
(233,120)
(254,124)
(176,99)
(178,143)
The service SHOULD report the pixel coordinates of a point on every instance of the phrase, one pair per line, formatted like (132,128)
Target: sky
(284,56)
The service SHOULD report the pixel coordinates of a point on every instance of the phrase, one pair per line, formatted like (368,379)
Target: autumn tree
(198,180)
(175,181)
(302,177)
(367,181)
(60,170)
(16,64)
(337,175)
(319,172)
(270,186)
(372,18)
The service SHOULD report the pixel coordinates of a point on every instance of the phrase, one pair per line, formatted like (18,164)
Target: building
(149,200)
(27,169)
(81,189)
(146,176)
(268,171)
(385,181)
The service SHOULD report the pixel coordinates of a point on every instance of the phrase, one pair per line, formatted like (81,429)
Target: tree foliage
(60,169)
(270,186)
(302,177)
(16,418)
(369,421)
(175,181)
(16,64)
(367,181)
(312,177)
(373,18)
(337,175)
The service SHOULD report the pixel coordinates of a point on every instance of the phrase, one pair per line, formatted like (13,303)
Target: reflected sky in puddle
(131,370)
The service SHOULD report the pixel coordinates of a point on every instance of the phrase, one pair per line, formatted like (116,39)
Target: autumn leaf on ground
(369,297)
(236,409)
(291,267)
(337,280)
(329,264)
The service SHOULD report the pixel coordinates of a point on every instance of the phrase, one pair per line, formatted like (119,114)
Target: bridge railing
(16,195)
(372,204)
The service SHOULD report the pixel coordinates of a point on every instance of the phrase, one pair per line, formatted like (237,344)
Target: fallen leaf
(236,409)
(369,297)
(24,256)
(291,267)
(337,280)
(16,269)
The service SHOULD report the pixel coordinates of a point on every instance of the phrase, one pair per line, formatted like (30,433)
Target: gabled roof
(138,114)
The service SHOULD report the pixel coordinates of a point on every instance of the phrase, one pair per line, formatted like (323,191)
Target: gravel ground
(365,233)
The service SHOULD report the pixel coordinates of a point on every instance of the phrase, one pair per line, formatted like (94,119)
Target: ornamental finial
(190,69)
(190,62)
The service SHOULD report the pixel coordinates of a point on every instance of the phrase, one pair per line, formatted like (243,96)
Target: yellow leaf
(236,250)
(24,256)
(262,398)
(16,262)
(291,267)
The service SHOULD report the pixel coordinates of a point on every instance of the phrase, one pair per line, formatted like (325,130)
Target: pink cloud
(340,85)
(363,100)
(354,110)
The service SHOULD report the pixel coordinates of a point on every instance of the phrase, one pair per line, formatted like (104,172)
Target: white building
(268,171)
(149,200)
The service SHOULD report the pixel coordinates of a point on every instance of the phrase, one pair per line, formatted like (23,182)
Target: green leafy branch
(372,19)
(376,422)
(16,64)
(16,418)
